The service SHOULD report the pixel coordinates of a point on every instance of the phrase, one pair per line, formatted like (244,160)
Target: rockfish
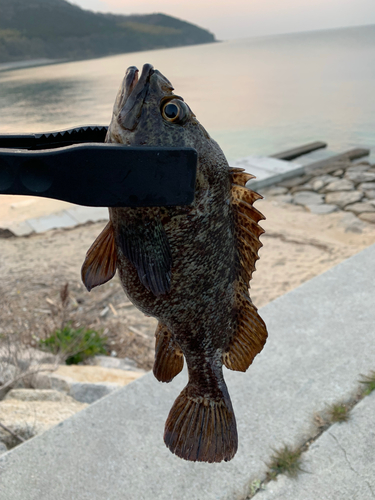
(187,266)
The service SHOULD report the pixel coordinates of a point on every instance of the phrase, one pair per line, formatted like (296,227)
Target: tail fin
(201,429)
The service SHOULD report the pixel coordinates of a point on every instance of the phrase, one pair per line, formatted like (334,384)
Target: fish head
(147,113)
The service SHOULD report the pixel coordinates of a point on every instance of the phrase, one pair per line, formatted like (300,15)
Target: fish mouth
(134,94)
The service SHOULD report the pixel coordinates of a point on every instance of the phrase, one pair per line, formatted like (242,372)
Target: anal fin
(249,338)
(169,359)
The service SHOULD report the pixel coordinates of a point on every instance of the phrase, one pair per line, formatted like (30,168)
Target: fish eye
(171,111)
(174,111)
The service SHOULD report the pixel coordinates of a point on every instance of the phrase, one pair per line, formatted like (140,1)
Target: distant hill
(33,29)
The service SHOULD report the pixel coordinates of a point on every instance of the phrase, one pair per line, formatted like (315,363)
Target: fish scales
(189,267)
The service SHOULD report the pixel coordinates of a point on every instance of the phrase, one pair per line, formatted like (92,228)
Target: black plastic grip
(102,175)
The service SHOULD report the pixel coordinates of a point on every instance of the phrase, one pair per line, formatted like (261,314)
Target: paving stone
(359,177)
(359,208)
(339,465)
(343,198)
(368,217)
(339,185)
(322,209)
(320,341)
(307,198)
(53,221)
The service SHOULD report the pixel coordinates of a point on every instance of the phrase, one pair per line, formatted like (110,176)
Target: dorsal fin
(100,262)
(250,332)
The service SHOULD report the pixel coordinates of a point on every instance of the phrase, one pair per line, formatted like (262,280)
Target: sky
(230,19)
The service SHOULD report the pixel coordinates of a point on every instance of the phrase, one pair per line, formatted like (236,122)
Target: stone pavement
(320,342)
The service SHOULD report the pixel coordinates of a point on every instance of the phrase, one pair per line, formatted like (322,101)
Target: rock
(118,363)
(89,393)
(97,381)
(295,181)
(3,448)
(284,198)
(29,418)
(370,193)
(322,209)
(351,223)
(36,395)
(359,208)
(322,180)
(366,186)
(303,187)
(307,198)
(275,191)
(338,173)
(343,198)
(359,167)
(7,372)
(339,185)
(23,356)
(368,217)
(359,177)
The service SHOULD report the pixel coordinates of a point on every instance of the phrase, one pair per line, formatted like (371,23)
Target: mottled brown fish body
(187,266)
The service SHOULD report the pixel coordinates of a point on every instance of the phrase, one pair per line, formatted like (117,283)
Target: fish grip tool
(78,167)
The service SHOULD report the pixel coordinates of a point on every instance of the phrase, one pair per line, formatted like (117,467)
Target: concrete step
(320,341)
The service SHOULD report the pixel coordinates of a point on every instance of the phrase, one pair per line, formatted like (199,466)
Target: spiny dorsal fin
(169,359)
(250,331)
(100,262)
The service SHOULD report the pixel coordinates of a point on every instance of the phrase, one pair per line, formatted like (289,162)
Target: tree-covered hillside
(56,29)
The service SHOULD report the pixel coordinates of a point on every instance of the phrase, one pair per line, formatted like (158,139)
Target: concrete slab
(88,214)
(53,221)
(22,228)
(267,170)
(320,341)
(340,464)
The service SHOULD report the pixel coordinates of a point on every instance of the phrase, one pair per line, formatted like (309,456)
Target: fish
(187,266)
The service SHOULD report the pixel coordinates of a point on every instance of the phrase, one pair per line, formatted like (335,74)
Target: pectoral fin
(100,262)
(147,247)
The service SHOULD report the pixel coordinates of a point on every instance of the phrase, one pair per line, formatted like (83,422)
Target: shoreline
(29,63)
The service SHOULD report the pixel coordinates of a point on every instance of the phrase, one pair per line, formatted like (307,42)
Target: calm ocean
(254,96)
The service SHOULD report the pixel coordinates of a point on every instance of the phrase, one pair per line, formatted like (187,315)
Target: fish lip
(134,95)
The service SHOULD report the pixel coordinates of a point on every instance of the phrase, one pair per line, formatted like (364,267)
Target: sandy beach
(297,246)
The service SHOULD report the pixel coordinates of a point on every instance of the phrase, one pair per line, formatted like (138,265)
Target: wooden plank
(352,154)
(290,154)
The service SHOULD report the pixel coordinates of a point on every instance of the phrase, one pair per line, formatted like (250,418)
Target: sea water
(255,96)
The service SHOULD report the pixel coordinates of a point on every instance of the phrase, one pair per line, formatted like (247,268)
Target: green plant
(338,412)
(369,382)
(75,344)
(286,460)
